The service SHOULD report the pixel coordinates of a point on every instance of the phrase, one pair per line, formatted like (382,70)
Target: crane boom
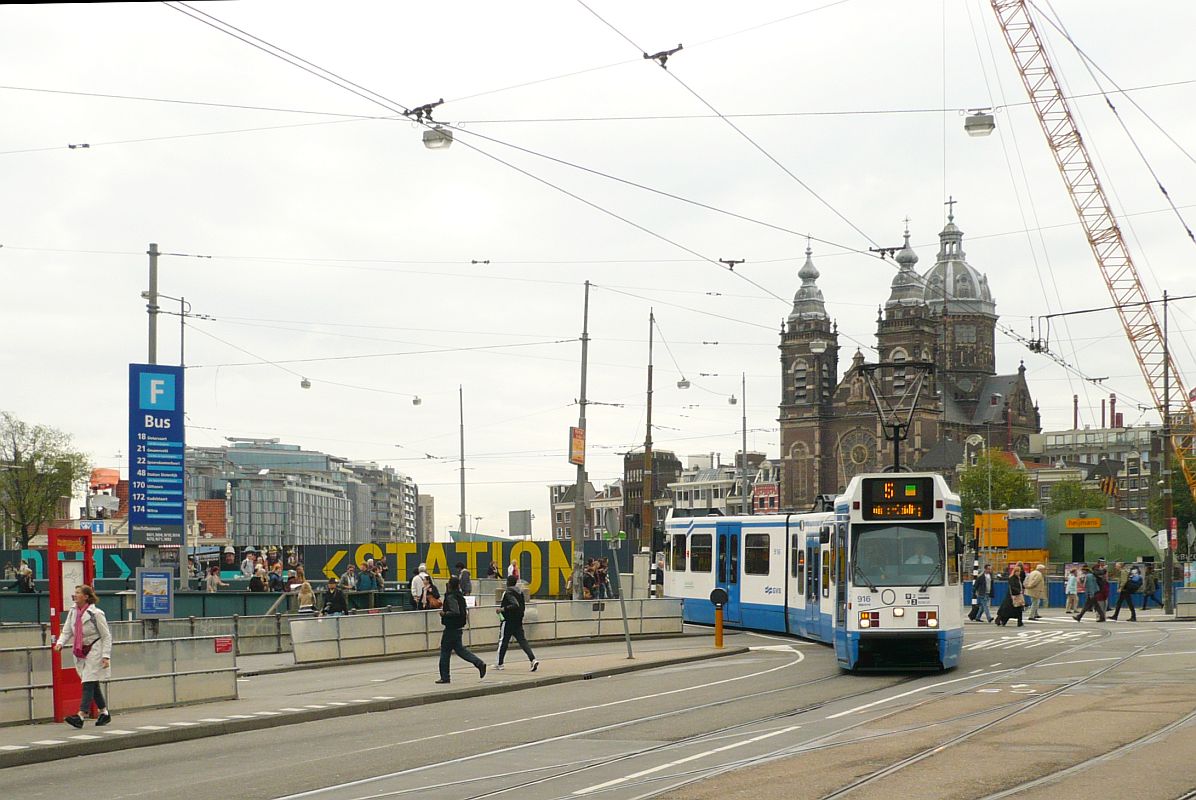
(1104,234)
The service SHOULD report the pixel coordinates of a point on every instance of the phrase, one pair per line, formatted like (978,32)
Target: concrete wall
(145,674)
(359,636)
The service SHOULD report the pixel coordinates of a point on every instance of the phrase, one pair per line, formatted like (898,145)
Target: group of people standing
(1021,583)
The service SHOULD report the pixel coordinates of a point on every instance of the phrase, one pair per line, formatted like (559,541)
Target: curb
(486,648)
(48,753)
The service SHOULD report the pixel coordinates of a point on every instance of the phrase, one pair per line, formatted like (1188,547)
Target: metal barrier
(145,674)
(360,636)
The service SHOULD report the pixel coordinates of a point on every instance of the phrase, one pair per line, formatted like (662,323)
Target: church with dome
(945,317)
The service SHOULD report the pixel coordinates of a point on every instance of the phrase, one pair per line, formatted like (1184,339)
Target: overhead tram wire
(735,128)
(622,118)
(1017,195)
(391,105)
(362,356)
(386,102)
(1088,65)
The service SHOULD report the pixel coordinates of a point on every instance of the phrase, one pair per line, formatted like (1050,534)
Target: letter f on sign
(156,389)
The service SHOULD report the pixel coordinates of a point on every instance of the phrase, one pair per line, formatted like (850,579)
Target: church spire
(808,303)
(906,285)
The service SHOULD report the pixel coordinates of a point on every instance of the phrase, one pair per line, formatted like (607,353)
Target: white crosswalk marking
(1030,639)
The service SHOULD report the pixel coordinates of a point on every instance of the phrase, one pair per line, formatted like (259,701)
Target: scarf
(77,646)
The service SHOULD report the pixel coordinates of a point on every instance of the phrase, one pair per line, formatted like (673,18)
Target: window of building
(701,552)
(679,552)
(755,553)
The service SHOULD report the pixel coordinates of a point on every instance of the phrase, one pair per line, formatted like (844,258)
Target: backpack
(1102,588)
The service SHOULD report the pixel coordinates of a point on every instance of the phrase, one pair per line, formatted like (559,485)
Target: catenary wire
(736,128)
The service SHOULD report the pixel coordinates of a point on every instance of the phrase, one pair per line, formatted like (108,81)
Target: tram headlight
(932,623)
(898,612)
(928,619)
(869,619)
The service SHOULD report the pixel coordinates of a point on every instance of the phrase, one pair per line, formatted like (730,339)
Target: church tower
(959,296)
(809,374)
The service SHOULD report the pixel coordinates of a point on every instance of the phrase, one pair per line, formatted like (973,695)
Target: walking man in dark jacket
(511,608)
(982,591)
(1092,603)
(454,616)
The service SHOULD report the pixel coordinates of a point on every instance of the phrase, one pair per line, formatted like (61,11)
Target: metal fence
(360,636)
(145,674)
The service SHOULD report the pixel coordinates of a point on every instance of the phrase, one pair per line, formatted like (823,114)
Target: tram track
(966,735)
(833,740)
(696,738)
(820,743)
(739,698)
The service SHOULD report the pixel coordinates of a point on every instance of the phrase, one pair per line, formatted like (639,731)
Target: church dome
(907,289)
(808,303)
(965,287)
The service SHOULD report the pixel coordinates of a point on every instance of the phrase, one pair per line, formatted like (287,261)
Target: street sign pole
(615,539)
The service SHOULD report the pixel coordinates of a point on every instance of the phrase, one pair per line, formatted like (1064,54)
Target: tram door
(813,586)
(839,580)
(726,572)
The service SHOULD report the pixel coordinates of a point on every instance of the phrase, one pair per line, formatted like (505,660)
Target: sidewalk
(296,696)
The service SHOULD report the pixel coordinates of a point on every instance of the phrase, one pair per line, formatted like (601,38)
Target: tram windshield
(897,555)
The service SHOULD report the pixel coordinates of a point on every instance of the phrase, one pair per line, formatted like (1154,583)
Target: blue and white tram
(879,578)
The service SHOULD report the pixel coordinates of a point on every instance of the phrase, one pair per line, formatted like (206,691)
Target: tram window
(953,554)
(755,553)
(733,576)
(801,571)
(721,577)
(826,575)
(795,553)
(678,552)
(700,545)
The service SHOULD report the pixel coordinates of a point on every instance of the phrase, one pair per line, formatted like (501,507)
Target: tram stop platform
(273,693)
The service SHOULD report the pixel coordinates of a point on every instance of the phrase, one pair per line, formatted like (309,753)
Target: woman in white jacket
(86,633)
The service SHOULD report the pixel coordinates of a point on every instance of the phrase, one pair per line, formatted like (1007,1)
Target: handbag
(1018,601)
(434,602)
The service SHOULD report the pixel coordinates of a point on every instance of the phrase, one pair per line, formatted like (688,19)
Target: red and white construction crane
(1092,206)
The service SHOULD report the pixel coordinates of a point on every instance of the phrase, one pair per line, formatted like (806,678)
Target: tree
(1182,505)
(38,466)
(1010,486)
(1073,495)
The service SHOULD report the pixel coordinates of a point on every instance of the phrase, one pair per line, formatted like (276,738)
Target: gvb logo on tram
(879,577)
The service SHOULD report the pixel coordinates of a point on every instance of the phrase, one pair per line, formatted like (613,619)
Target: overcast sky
(335,238)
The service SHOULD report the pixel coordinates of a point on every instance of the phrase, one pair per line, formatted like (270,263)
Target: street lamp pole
(461,410)
(1168,500)
(646,511)
(746,500)
(578,529)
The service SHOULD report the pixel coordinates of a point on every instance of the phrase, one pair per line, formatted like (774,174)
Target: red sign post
(69,563)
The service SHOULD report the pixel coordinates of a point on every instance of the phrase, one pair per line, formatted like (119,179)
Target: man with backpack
(1132,582)
(511,609)
(454,615)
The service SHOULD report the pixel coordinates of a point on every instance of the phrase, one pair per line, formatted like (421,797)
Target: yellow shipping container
(1029,558)
(992,528)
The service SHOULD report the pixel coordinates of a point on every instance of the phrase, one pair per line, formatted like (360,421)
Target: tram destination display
(898,498)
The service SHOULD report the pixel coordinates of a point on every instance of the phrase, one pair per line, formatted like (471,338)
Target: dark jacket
(980,586)
(512,605)
(466,581)
(336,602)
(454,613)
(1015,584)
(366,582)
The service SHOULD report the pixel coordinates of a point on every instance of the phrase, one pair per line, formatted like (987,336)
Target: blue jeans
(450,642)
(983,602)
